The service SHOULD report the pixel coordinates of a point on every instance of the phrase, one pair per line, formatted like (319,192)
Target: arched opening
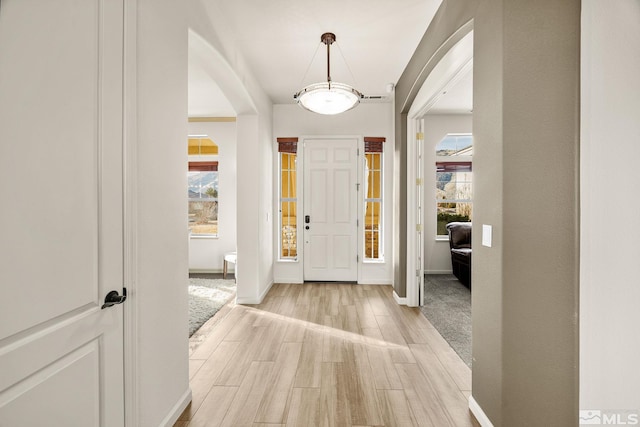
(441,115)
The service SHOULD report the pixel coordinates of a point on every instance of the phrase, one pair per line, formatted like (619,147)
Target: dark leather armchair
(460,245)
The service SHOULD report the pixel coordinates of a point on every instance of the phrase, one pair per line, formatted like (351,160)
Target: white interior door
(415,213)
(330,210)
(419,195)
(61,187)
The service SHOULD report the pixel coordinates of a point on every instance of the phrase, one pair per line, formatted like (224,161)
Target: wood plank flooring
(325,355)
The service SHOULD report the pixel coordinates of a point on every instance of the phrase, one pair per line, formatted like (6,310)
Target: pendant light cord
(355,82)
(310,63)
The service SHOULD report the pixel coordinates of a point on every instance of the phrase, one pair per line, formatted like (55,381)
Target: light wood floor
(325,355)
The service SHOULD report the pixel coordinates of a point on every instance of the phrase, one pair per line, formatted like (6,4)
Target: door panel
(342,206)
(79,401)
(318,196)
(61,224)
(342,252)
(330,201)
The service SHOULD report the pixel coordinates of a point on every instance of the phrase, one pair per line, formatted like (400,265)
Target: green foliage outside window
(444,218)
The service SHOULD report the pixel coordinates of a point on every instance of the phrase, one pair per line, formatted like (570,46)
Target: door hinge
(357,151)
(417,273)
(357,258)
(418,227)
(418,181)
(357,223)
(420,135)
(357,186)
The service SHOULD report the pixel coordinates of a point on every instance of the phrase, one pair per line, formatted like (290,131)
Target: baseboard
(477,412)
(292,280)
(438,272)
(264,293)
(177,409)
(381,282)
(399,300)
(254,301)
(207,270)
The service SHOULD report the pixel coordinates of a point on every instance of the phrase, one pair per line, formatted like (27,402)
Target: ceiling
(458,99)
(280,41)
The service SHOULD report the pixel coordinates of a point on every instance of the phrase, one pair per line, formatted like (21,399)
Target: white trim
(177,409)
(415,204)
(380,282)
(292,280)
(203,236)
(438,272)
(130,215)
(477,412)
(258,300)
(399,300)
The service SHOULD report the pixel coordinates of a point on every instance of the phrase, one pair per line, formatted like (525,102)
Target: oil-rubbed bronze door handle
(114,298)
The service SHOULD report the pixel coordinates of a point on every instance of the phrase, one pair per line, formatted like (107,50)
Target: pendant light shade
(328,97)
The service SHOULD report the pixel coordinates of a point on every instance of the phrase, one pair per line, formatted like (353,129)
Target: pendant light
(328,97)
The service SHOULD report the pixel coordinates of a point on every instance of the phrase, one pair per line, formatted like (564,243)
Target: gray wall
(526,130)
(540,146)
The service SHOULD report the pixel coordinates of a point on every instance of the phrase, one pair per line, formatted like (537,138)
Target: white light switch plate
(487,232)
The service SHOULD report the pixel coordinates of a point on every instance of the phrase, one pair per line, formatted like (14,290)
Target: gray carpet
(206,297)
(447,305)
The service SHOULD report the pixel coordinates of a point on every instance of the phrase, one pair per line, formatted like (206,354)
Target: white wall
(610,206)
(206,254)
(161,266)
(365,120)
(437,257)
(216,45)
(255,235)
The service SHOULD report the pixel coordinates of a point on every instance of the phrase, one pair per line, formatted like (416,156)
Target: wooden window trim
(203,166)
(374,144)
(287,145)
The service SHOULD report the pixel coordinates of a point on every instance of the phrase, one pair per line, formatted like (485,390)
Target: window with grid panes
(373,198)
(454,181)
(288,200)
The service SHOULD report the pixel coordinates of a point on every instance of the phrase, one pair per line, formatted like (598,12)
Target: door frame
(301,197)
(130,134)
(415,211)
(453,66)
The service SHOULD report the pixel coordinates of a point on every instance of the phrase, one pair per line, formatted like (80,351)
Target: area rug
(447,305)
(206,297)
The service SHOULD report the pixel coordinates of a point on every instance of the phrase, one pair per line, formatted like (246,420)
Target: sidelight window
(373,179)
(288,199)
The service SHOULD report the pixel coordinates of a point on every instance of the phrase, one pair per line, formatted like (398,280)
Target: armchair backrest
(459,235)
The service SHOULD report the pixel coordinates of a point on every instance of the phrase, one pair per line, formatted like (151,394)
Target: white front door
(61,227)
(330,210)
